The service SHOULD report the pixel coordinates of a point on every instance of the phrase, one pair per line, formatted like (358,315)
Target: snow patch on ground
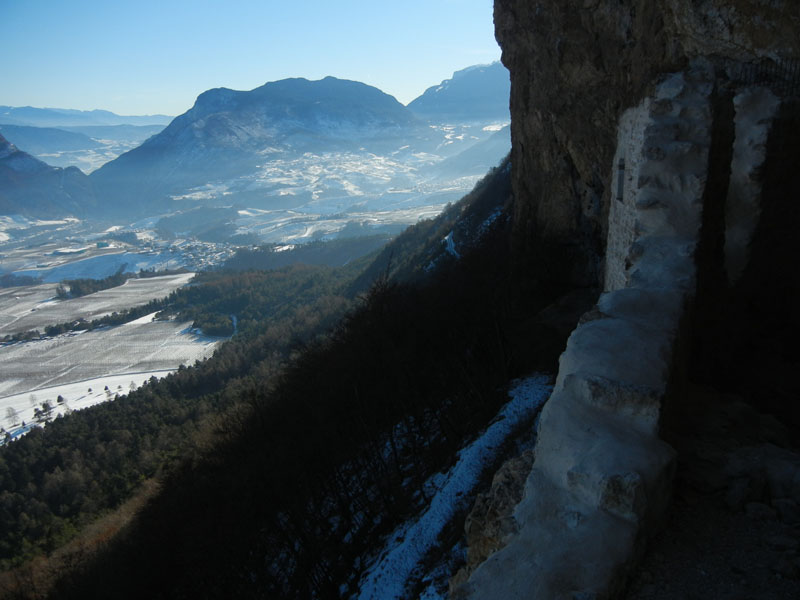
(142,320)
(450,245)
(405,549)
(59,251)
(76,396)
(484,227)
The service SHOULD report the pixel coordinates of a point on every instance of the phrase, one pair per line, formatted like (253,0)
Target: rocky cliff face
(575,67)
(645,140)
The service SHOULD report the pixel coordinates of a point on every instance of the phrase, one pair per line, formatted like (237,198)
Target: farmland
(141,345)
(134,351)
(74,396)
(69,365)
(34,307)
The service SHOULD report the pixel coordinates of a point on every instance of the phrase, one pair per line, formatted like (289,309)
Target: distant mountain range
(60,117)
(228,133)
(87,147)
(42,140)
(287,144)
(32,188)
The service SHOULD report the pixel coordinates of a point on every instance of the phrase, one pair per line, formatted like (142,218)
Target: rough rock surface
(575,66)
(491,523)
(631,122)
(755,110)
(601,472)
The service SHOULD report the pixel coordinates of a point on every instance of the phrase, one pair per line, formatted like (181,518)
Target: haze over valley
(296,304)
(261,237)
(289,162)
(291,165)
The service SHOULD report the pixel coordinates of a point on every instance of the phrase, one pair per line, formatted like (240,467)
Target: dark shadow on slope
(334,455)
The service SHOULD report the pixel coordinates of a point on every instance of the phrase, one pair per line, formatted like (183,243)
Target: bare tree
(12,416)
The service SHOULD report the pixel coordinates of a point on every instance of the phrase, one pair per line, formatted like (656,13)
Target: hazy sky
(149,56)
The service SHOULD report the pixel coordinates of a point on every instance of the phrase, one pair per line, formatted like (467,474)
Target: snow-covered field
(314,196)
(389,575)
(103,265)
(130,352)
(75,396)
(135,347)
(299,225)
(34,307)
(90,159)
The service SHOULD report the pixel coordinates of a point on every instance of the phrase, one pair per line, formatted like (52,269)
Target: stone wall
(576,66)
(756,107)
(601,474)
(636,159)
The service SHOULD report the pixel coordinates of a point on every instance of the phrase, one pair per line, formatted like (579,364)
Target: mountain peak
(297,95)
(6,147)
(480,91)
(226,132)
(18,161)
(31,187)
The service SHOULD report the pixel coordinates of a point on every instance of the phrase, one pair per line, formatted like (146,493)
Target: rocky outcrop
(490,524)
(575,67)
(601,472)
(638,149)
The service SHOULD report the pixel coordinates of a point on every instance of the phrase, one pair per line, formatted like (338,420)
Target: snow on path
(405,549)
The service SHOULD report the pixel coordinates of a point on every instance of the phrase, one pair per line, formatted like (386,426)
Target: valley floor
(87,367)
(31,307)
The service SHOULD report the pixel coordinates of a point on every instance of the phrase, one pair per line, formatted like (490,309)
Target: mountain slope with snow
(229,133)
(39,140)
(32,188)
(479,92)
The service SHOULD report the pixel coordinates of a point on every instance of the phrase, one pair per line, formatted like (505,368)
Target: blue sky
(148,56)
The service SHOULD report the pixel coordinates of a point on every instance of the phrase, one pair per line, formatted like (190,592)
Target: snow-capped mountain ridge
(31,187)
(218,147)
(479,92)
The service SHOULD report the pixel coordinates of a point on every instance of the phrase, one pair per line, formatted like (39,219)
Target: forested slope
(55,480)
(314,444)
